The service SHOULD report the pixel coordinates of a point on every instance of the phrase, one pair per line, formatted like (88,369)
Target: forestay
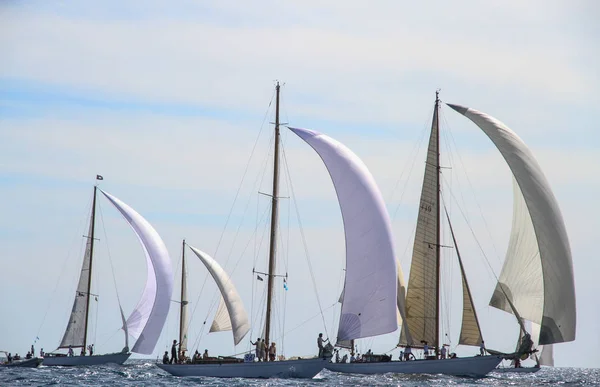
(370,287)
(233,302)
(148,318)
(558,317)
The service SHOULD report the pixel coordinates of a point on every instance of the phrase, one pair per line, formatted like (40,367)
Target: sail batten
(233,302)
(558,319)
(422,294)
(149,315)
(370,287)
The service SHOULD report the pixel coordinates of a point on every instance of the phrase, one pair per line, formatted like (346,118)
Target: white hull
(523,370)
(477,366)
(306,368)
(70,361)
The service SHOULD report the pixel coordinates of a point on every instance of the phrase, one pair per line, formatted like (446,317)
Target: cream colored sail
(558,314)
(221,322)
(422,294)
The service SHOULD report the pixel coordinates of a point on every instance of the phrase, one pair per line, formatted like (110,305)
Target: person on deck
(82,353)
(91,349)
(174,352)
(425,349)
(352,359)
(345,358)
(337,356)
(205,354)
(443,352)
(166,357)
(257,349)
(28,356)
(42,352)
(407,352)
(32,350)
(320,342)
(263,350)
(70,353)
(482,348)
(9,358)
(272,352)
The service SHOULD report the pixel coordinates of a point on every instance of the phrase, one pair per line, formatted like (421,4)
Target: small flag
(285,287)
(99,177)
(259,277)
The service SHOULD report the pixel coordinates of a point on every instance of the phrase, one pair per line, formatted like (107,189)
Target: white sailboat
(367,230)
(420,312)
(148,317)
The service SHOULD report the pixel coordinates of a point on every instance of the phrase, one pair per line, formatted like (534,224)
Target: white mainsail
(75,332)
(148,318)
(233,302)
(558,315)
(370,288)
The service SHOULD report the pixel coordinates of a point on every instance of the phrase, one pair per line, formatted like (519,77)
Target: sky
(172,102)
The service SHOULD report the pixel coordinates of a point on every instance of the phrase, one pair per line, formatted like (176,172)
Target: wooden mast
(436,123)
(183,301)
(89,288)
(274,220)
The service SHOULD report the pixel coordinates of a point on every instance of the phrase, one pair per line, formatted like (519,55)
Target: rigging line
(412,156)
(474,237)
(236,196)
(109,256)
(217,299)
(307,256)
(472,190)
(62,269)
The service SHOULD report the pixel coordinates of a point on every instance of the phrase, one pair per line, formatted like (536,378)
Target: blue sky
(166,101)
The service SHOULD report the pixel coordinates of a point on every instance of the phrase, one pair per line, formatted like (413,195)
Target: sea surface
(145,373)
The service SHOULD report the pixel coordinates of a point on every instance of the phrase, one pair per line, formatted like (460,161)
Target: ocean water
(145,373)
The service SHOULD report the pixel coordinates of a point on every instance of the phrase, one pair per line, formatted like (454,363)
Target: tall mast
(89,288)
(274,211)
(436,122)
(183,303)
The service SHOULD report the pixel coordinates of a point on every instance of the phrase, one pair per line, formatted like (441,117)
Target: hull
(28,363)
(523,370)
(306,368)
(71,361)
(477,366)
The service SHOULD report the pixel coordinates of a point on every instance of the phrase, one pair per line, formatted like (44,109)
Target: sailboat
(420,309)
(148,317)
(368,233)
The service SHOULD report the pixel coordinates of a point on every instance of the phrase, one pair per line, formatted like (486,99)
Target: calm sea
(144,373)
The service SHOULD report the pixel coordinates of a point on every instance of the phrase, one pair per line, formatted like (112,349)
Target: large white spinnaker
(146,321)
(235,308)
(370,288)
(558,315)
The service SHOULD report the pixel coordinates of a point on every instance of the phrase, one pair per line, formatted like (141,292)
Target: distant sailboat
(147,319)
(366,226)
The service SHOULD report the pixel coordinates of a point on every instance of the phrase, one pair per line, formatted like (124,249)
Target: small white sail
(558,322)
(75,332)
(370,289)
(148,318)
(221,322)
(545,354)
(235,307)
